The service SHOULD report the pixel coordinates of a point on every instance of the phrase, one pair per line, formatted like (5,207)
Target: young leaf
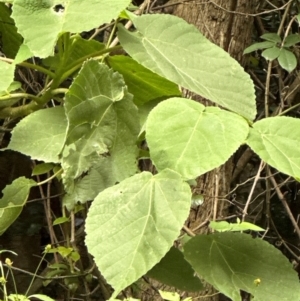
(180,132)
(169,46)
(257,46)
(287,60)
(291,40)
(14,198)
(56,17)
(276,140)
(141,82)
(224,226)
(41,135)
(271,53)
(61,220)
(174,270)
(273,37)
(233,261)
(132,225)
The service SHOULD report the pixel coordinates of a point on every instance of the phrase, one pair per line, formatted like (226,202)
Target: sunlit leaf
(132,225)
(276,141)
(41,135)
(55,17)
(172,48)
(192,139)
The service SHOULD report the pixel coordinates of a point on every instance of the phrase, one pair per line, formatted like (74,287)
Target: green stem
(3,279)
(36,271)
(50,178)
(20,95)
(77,64)
(289,109)
(29,65)
(19,111)
(59,91)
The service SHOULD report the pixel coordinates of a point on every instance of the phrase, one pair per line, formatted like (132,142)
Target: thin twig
(253,15)
(285,205)
(257,177)
(129,23)
(188,231)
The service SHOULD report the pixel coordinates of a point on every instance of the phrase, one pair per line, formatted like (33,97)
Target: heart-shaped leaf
(192,139)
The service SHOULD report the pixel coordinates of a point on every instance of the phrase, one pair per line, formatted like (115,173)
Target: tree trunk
(227,24)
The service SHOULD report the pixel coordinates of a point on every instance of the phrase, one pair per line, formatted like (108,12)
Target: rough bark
(226,23)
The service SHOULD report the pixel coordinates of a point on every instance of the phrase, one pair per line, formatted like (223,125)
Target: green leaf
(271,53)
(10,39)
(14,198)
(180,132)
(233,261)
(41,135)
(172,48)
(42,168)
(132,225)
(272,37)
(257,46)
(141,82)
(287,60)
(275,140)
(74,16)
(174,270)
(7,75)
(291,40)
(224,226)
(61,220)
(102,131)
